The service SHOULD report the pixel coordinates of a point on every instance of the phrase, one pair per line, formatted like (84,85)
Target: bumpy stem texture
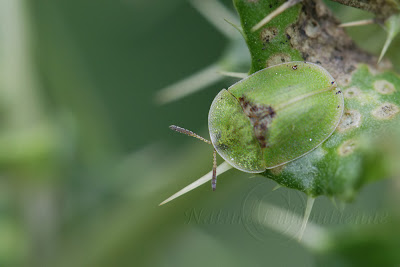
(309,32)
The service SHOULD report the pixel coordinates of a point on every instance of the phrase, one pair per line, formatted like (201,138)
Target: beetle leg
(188,132)
(214,174)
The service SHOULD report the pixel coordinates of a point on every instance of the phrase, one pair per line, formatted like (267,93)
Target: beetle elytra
(273,116)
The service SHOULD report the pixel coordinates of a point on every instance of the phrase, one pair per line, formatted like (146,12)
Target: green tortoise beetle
(273,116)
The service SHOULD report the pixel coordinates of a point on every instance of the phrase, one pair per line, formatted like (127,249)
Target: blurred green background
(86,154)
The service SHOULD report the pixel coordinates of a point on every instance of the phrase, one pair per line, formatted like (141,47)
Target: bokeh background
(86,155)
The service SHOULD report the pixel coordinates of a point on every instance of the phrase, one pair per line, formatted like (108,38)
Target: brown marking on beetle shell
(260,117)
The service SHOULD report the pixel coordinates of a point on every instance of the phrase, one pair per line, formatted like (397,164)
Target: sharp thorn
(307,212)
(189,85)
(357,23)
(393,28)
(220,169)
(275,13)
(240,75)
(276,187)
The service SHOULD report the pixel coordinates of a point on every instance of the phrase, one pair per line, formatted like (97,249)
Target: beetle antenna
(214,174)
(187,132)
(190,133)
